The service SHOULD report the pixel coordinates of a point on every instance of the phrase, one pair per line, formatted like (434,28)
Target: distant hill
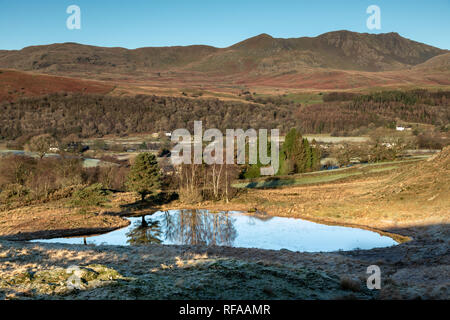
(438,63)
(342,50)
(260,55)
(73,57)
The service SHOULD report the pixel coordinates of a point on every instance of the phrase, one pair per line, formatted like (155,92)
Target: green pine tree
(306,163)
(315,158)
(297,154)
(144,177)
(291,153)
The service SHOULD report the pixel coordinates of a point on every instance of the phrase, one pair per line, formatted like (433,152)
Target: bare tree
(41,144)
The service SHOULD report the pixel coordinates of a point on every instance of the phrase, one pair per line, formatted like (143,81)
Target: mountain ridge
(262,54)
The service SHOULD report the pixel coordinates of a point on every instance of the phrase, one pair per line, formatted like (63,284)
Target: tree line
(94,115)
(86,115)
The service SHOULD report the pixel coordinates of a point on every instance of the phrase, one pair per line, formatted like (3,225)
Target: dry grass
(55,219)
(17,84)
(34,271)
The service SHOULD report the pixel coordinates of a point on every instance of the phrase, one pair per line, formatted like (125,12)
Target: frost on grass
(58,281)
(202,277)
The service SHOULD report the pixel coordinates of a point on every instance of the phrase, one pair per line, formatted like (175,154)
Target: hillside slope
(438,63)
(262,54)
(16,84)
(342,50)
(427,180)
(74,57)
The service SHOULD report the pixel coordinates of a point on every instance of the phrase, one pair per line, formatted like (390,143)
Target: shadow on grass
(58,233)
(149,206)
(152,202)
(271,183)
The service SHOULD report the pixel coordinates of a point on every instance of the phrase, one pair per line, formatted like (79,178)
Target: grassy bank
(323,176)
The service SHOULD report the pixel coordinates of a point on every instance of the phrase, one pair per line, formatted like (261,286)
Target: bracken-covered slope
(427,180)
(262,54)
(17,84)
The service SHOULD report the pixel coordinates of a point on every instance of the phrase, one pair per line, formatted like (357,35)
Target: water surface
(87,162)
(234,229)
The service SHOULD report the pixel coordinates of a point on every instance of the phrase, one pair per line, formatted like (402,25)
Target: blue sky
(140,23)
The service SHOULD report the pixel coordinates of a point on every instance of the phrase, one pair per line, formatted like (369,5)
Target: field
(326,138)
(322,176)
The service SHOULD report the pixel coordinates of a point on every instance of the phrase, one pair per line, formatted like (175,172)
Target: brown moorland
(17,84)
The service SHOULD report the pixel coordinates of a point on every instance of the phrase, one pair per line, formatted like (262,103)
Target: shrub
(189,196)
(16,169)
(251,172)
(93,195)
(13,192)
(114,177)
(350,284)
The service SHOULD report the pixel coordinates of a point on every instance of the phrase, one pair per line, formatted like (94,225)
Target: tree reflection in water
(145,232)
(190,227)
(199,227)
